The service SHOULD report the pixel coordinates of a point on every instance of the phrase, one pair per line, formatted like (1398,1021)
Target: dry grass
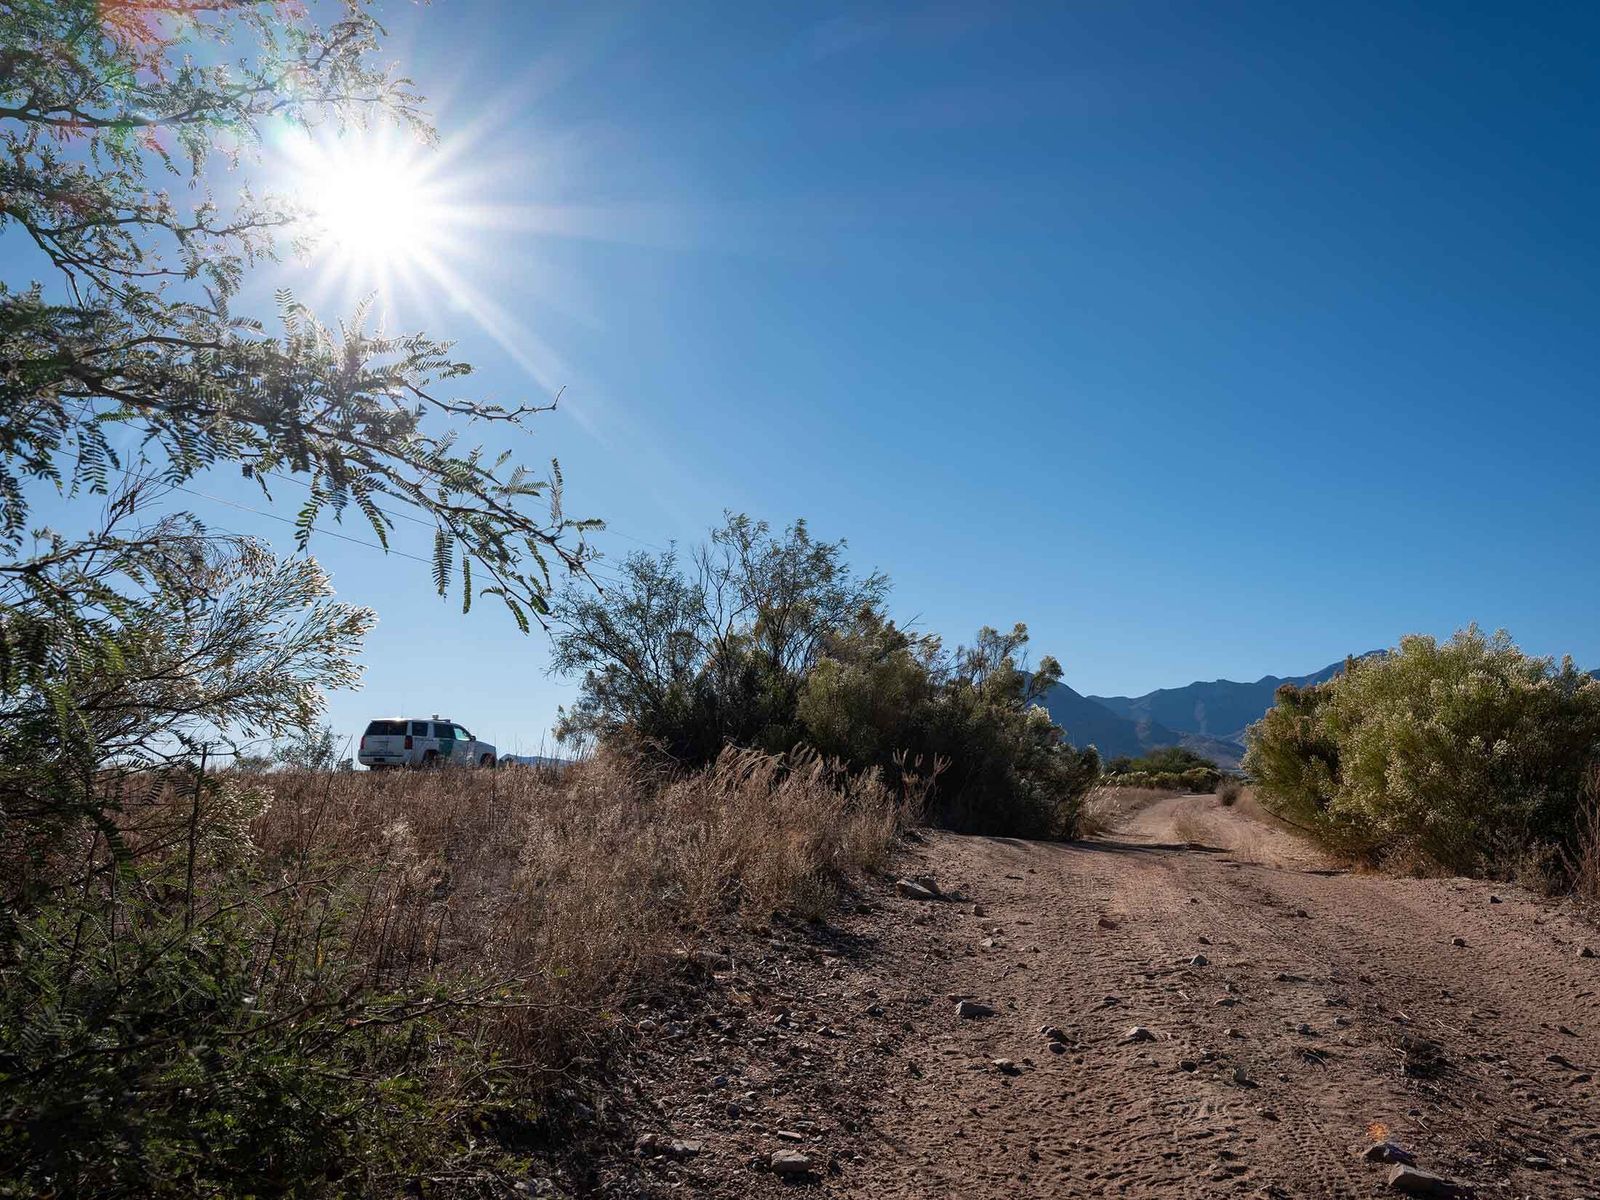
(1105,809)
(571,891)
(1583,863)
(1189,828)
(392,974)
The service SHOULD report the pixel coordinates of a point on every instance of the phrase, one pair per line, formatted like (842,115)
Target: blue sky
(1209,340)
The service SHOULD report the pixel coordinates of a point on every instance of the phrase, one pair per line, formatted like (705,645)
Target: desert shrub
(1467,755)
(1228,790)
(1171,768)
(687,657)
(771,642)
(880,697)
(1195,779)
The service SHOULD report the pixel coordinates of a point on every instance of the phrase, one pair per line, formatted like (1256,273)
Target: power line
(271,516)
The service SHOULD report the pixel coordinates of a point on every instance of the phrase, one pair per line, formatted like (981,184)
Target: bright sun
(375,209)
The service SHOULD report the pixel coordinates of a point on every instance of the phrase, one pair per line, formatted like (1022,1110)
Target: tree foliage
(177,1016)
(690,657)
(110,116)
(770,641)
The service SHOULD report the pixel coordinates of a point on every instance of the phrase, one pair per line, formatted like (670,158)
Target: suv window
(441,730)
(462,734)
(386,729)
(419,729)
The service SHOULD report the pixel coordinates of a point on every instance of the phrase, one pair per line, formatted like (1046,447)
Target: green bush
(1169,769)
(1467,755)
(769,641)
(881,697)
(1195,779)
(167,1065)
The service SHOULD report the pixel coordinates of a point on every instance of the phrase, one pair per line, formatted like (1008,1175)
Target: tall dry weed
(573,891)
(1583,862)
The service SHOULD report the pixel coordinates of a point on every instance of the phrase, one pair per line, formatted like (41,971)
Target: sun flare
(375,209)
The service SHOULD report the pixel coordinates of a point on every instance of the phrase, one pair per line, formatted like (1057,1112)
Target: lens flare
(374,207)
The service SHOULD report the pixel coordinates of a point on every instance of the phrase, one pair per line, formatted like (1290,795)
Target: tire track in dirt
(1321,989)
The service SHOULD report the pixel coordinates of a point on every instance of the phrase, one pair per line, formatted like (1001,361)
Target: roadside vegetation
(769,640)
(1171,769)
(316,983)
(1466,756)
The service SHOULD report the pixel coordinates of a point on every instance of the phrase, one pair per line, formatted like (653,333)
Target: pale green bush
(1462,755)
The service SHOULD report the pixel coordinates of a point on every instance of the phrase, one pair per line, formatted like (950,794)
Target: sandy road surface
(1326,1003)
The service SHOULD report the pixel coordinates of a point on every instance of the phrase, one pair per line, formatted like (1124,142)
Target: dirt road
(1292,1008)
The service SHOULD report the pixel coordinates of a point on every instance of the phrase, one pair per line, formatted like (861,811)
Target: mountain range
(1208,718)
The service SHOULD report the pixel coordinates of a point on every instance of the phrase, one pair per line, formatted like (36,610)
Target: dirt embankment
(1295,1013)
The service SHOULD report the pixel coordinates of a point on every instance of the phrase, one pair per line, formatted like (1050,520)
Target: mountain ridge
(1209,717)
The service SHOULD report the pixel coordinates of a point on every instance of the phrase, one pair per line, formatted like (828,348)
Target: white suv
(411,742)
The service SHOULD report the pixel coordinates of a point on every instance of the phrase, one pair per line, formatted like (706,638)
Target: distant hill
(1221,708)
(1088,723)
(1208,718)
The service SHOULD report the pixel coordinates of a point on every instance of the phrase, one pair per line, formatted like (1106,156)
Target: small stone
(1388,1152)
(790,1162)
(1494,899)
(1188,1064)
(1242,1078)
(1057,1048)
(1305,1030)
(1137,1034)
(1537,1161)
(1199,960)
(1416,1182)
(789,1135)
(1106,923)
(1006,1067)
(913,891)
(683,1149)
(972,1010)
(1300,912)
(1342,1022)
(1054,1034)
(1458,941)
(1586,952)
(979,911)
(1231,1032)
(1203,940)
